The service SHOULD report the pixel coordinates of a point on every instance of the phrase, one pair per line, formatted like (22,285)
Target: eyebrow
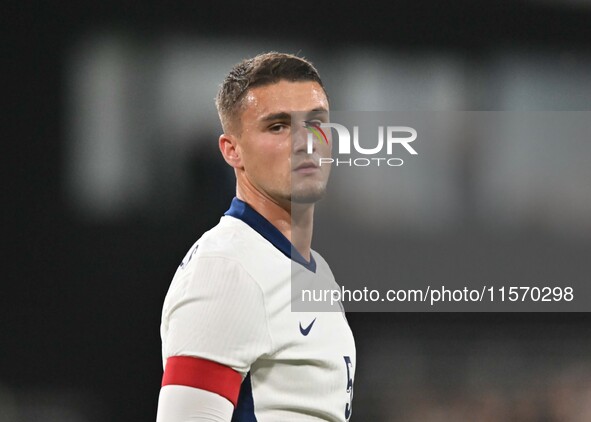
(282,115)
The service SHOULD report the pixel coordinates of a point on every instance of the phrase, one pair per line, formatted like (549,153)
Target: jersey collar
(241,210)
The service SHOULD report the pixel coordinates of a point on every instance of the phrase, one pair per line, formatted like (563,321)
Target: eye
(313,122)
(278,127)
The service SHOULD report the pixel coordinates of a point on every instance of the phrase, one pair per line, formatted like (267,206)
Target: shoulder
(222,256)
(232,239)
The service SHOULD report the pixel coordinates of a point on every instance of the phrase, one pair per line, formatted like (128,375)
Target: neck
(294,221)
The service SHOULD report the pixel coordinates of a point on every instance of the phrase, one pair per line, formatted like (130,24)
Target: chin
(307,196)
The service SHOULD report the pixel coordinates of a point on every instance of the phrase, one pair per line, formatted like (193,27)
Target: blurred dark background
(112,172)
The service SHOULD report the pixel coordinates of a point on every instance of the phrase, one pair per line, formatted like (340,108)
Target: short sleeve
(216,311)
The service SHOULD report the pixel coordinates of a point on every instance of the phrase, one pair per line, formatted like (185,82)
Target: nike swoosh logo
(306,331)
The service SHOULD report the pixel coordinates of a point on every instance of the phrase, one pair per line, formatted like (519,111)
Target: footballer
(233,349)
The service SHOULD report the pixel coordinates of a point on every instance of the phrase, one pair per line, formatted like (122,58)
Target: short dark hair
(264,69)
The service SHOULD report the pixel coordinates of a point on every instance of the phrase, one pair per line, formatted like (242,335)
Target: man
(232,347)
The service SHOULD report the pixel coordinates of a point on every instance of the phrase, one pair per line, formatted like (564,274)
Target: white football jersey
(230,303)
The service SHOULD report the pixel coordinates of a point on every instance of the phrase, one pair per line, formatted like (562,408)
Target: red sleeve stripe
(203,374)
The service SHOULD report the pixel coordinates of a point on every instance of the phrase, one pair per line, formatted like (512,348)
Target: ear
(230,151)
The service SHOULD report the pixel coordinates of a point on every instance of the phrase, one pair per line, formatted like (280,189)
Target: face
(272,143)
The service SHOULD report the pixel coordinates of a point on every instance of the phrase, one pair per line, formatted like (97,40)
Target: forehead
(283,96)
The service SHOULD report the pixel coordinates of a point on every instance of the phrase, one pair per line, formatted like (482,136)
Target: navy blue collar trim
(241,210)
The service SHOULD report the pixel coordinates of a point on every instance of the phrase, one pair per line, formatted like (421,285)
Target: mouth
(306,167)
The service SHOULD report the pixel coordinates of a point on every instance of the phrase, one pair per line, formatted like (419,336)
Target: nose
(300,138)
